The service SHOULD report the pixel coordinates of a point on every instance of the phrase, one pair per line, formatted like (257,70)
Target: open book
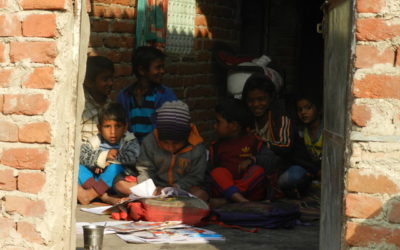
(183,235)
(146,190)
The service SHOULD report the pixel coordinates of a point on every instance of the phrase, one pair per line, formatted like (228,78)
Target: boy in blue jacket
(110,153)
(143,97)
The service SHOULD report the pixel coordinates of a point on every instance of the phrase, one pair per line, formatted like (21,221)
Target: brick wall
(190,75)
(112,26)
(37,120)
(372,198)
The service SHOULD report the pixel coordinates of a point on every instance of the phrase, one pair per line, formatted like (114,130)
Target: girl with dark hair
(307,151)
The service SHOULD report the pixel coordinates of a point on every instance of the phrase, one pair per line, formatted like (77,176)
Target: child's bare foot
(217,202)
(85,196)
(238,197)
(112,199)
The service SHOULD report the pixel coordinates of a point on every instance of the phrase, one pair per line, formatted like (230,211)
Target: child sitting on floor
(307,151)
(235,174)
(112,152)
(142,98)
(97,88)
(173,155)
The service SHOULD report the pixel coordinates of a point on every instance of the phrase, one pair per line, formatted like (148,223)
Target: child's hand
(112,154)
(244,165)
(98,170)
(157,191)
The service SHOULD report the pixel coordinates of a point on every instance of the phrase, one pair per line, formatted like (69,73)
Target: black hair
(261,82)
(234,110)
(312,98)
(113,111)
(96,65)
(143,56)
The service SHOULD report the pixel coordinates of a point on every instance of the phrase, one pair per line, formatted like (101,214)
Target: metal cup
(93,237)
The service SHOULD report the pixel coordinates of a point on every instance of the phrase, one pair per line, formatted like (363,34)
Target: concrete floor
(300,238)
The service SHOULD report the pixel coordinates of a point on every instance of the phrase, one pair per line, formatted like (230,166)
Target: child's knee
(216,172)
(199,193)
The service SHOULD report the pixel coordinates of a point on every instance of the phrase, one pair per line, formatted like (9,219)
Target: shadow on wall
(373,223)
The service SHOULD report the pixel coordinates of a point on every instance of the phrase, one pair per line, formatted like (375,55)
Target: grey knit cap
(173,121)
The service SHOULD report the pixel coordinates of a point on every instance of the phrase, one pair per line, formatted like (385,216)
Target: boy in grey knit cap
(173,154)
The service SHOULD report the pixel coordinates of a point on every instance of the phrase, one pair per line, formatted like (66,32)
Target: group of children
(147,133)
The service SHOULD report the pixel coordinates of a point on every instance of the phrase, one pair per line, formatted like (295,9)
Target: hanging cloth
(151,23)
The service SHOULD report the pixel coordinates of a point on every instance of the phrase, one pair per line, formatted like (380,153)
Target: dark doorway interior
(286,31)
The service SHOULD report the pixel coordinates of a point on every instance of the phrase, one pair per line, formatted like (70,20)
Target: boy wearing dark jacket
(173,154)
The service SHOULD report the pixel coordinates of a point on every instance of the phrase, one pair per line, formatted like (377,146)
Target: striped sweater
(277,132)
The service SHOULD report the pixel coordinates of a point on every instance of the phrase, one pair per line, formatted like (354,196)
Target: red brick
(123,27)
(202,33)
(394,213)
(368,56)
(370,6)
(39,25)
(397,64)
(374,29)
(35,132)
(96,41)
(118,42)
(8,131)
(363,235)
(367,183)
(7,180)
(31,182)
(126,56)
(200,20)
(130,13)
(41,78)
(28,232)
(6,225)
(25,104)
(377,86)
(362,206)
(116,12)
(25,158)
(24,206)
(5,75)
(2,57)
(10,25)
(123,70)
(39,52)
(108,12)
(99,25)
(121,2)
(98,11)
(360,115)
(42,5)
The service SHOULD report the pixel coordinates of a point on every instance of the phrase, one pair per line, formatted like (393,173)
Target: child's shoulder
(94,141)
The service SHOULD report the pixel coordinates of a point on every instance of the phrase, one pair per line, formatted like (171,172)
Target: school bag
(188,210)
(258,215)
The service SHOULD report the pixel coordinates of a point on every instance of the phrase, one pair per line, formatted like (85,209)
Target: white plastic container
(237,79)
